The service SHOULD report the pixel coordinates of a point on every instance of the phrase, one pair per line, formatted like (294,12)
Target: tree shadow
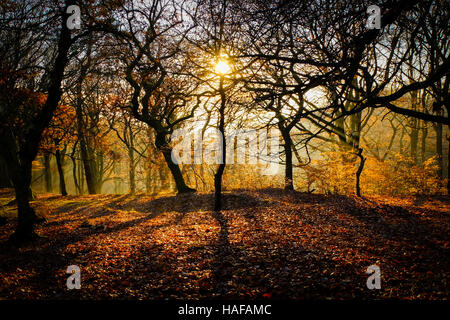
(399,224)
(222,266)
(53,250)
(284,270)
(420,200)
(297,197)
(191,202)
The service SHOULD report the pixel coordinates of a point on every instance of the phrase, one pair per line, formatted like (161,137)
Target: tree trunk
(448,167)
(423,143)
(132,171)
(439,149)
(97,167)
(26,215)
(219,174)
(81,126)
(163,146)
(414,139)
(288,175)
(84,153)
(355,125)
(62,182)
(80,171)
(218,187)
(5,179)
(176,172)
(149,175)
(163,180)
(149,181)
(74,175)
(414,123)
(359,171)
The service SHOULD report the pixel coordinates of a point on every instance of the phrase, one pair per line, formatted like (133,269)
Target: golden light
(222,67)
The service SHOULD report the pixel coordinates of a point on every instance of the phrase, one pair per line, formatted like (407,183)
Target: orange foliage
(58,132)
(22,107)
(399,175)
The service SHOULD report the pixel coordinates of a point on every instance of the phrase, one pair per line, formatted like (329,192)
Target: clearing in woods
(264,244)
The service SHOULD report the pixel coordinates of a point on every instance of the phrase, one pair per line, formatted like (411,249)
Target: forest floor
(265,244)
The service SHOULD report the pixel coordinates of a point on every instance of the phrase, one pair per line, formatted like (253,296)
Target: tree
(130,132)
(159,98)
(326,45)
(21,145)
(57,137)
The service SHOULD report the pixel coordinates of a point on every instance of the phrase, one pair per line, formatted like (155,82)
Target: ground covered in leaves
(265,244)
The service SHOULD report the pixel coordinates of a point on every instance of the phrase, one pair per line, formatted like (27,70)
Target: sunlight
(222,67)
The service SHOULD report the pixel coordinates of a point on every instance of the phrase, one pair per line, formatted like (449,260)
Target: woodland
(211,149)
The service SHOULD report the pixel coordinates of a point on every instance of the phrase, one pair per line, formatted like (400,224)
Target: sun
(222,67)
